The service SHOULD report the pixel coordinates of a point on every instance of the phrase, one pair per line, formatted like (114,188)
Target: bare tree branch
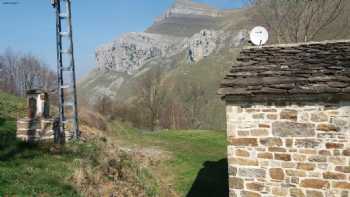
(301,20)
(19,73)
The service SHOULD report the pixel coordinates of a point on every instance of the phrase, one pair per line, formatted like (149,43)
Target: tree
(301,20)
(19,73)
(104,105)
(193,98)
(3,82)
(151,97)
(174,115)
(9,60)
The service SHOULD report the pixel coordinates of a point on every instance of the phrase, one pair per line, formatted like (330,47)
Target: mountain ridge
(131,51)
(188,7)
(191,52)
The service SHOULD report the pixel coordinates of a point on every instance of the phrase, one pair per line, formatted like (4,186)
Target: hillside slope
(183,166)
(119,162)
(190,46)
(74,169)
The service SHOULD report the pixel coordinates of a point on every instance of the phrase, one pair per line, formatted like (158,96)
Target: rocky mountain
(132,50)
(189,39)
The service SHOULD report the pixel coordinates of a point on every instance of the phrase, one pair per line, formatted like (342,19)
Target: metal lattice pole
(66,71)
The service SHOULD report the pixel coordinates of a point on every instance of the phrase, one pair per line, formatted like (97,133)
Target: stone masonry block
(289,114)
(315,184)
(292,129)
(276,173)
(252,172)
(243,141)
(288,155)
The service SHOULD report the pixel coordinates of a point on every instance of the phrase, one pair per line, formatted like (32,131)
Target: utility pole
(68,106)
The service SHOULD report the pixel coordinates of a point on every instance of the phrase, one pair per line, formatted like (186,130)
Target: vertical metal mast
(66,71)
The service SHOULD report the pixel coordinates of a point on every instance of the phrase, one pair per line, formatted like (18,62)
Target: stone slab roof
(35,91)
(320,69)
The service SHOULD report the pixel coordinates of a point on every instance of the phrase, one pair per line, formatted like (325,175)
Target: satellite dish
(259,36)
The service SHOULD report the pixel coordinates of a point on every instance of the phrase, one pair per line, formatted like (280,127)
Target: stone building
(288,120)
(38,125)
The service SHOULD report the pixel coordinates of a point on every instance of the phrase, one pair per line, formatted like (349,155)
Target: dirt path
(151,158)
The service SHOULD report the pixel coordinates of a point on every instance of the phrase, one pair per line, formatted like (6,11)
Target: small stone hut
(38,125)
(288,120)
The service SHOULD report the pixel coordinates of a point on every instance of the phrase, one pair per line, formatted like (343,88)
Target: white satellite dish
(259,36)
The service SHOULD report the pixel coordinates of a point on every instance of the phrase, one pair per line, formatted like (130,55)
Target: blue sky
(29,27)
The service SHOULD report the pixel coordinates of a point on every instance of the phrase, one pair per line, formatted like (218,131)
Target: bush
(92,119)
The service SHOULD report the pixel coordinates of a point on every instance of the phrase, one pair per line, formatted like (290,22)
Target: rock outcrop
(132,50)
(202,44)
(207,41)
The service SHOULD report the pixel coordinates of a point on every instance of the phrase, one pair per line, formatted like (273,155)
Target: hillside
(191,44)
(190,47)
(198,172)
(74,169)
(120,161)
(10,107)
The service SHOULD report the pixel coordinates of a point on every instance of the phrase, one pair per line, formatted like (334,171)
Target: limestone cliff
(191,44)
(202,44)
(132,50)
(129,53)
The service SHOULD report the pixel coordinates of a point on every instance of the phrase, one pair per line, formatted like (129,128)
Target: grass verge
(197,166)
(33,170)
(96,167)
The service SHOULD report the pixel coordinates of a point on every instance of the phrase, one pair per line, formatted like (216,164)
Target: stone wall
(34,130)
(289,150)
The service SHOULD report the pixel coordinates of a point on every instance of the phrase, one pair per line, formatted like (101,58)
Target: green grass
(197,164)
(148,181)
(29,170)
(198,158)
(32,170)
(48,170)
(35,170)
(11,106)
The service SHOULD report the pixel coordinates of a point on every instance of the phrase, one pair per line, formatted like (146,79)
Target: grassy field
(95,167)
(197,166)
(29,170)
(34,171)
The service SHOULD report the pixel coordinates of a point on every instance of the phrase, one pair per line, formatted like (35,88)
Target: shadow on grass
(211,181)
(2,121)
(22,150)
(12,148)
